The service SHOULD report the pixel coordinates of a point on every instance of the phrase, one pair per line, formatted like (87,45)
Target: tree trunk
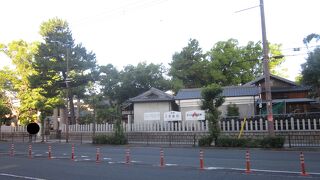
(78,110)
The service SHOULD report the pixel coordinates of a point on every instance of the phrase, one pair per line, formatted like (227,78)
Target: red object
(128,156)
(30,151)
(201,160)
(72,152)
(161,158)
(303,168)
(49,152)
(12,150)
(248,162)
(98,156)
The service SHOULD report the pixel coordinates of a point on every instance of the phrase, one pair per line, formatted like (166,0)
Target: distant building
(287,97)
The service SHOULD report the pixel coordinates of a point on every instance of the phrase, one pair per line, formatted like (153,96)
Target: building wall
(245,104)
(141,108)
(188,105)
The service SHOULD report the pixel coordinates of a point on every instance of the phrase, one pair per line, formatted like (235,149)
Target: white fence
(12,129)
(227,125)
(260,125)
(197,126)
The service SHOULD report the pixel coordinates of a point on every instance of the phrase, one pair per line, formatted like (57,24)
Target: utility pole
(67,87)
(266,72)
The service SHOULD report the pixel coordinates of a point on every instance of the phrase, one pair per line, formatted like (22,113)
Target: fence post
(194,140)
(81,138)
(289,138)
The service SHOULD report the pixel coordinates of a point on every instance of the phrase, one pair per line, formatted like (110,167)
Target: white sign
(152,116)
(172,116)
(195,115)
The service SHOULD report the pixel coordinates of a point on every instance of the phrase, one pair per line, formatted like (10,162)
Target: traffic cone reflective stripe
(30,152)
(49,152)
(303,168)
(161,158)
(98,156)
(12,150)
(72,152)
(201,160)
(128,156)
(248,162)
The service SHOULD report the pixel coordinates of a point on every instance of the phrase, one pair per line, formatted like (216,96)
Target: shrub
(272,142)
(267,142)
(233,142)
(205,141)
(110,139)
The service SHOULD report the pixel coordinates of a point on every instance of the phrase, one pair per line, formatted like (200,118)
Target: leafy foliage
(212,99)
(232,110)
(59,60)
(311,71)
(132,80)
(189,66)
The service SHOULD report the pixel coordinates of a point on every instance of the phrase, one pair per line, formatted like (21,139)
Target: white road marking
(259,170)
(171,164)
(22,177)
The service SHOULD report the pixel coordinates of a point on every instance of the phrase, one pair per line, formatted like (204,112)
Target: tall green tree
(60,62)
(21,53)
(311,71)
(132,80)
(231,64)
(188,67)
(310,74)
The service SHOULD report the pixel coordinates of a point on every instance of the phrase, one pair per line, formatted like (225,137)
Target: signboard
(172,116)
(195,115)
(152,116)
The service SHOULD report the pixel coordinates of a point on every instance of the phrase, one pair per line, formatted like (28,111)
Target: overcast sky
(124,32)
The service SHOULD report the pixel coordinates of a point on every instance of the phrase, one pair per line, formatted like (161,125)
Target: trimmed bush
(272,142)
(205,141)
(267,142)
(110,139)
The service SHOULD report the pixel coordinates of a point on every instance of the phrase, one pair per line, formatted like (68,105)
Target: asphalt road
(180,163)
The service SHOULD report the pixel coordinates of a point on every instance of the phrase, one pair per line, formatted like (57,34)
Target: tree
(232,110)
(188,67)
(60,62)
(212,99)
(132,81)
(311,71)
(227,63)
(231,64)
(21,53)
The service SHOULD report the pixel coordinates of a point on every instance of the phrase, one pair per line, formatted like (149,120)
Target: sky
(123,32)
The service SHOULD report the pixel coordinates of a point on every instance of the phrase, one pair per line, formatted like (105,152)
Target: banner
(172,116)
(195,115)
(152,116)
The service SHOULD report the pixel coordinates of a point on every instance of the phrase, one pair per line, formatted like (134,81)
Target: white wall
(141,108)
(188,105)
(245,105)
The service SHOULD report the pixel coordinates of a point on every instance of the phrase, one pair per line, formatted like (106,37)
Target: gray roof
(271,76)
(228,91)
(292,100)
(152,95)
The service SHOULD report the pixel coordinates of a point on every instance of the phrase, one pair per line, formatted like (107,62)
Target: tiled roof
(154,95)
(271,76)
(228,91)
